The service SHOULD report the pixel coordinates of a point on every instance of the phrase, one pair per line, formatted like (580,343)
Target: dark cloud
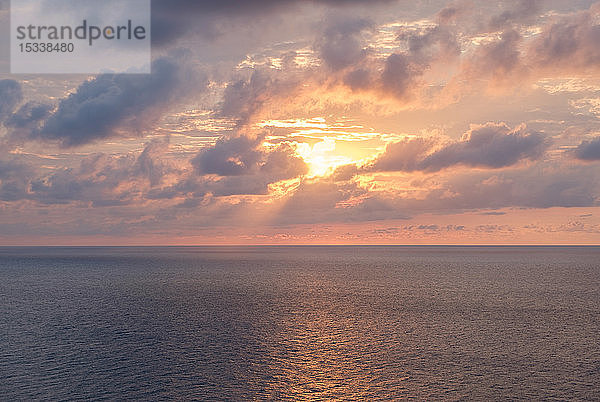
(340,45)
(149,166)
(566,44)
(172,19)
(449,13)
(569,44)
(243,156)
(10,96)
(542,186)
(500,61)
(565,47)
(235,166)
(102,180)
(28,116)
(358,79)
(431,44)
(14,180)
(99,106)
(319,201)
(282,163)
(109,102)
(403,71)
(406,155)
(345,172)
(519,12)
(589,150)
(399,75)
(229,157)
(244,98)
(488,146)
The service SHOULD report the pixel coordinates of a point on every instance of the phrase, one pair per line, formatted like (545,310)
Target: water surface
(244,323)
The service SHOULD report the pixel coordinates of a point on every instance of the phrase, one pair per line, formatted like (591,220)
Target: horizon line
(291,245)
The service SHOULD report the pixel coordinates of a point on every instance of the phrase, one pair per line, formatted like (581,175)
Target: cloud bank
(490,146)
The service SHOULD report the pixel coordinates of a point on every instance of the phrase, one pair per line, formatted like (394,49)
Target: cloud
(14,180)
(99,106)
(542,186)
(340,45)
(282,163)
(347,58)
(403,73)
(434,43)
(396,64)
(244,156)
(359,64)
(588,150)
(245,98)
(568,44)
(406,155)
(148,164)
(28,113)
(172,19)
(10,96)
(323,200)
(520,12)
(27,118)
(235,166)
(506,57)
(316,201)
(429,65)
(522,45)
(104,180)
(399,74)
(488,146)
(499,61)
(229,157)
(103,106)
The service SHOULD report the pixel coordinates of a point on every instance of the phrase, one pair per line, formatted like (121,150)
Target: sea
(300,323)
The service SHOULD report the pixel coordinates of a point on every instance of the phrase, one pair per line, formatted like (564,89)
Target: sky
(317,122)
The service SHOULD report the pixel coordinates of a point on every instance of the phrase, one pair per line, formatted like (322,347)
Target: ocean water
(289,323)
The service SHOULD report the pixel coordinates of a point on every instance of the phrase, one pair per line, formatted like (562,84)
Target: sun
(326,143)
(322,157)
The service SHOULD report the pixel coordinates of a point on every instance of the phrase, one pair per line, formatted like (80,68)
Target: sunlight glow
(321,157)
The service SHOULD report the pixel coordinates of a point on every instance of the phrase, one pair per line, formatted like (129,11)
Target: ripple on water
(300,323)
